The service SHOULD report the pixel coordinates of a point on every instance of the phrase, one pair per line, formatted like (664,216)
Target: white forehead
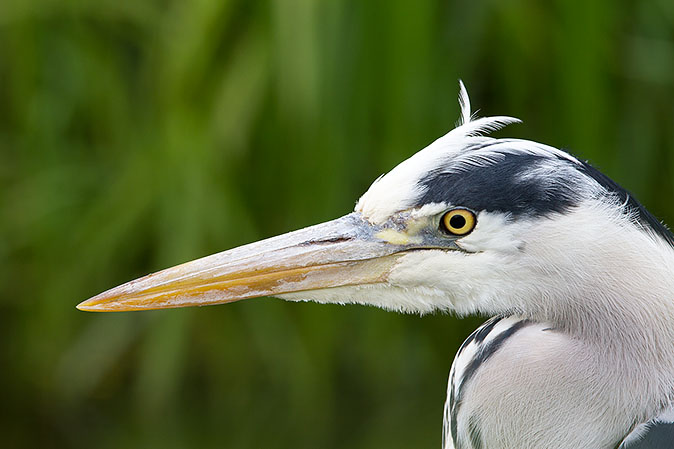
(458,150)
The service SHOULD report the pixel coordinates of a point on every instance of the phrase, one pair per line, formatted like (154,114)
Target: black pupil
(457,221)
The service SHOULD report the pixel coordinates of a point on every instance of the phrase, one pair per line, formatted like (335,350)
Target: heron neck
(623,303)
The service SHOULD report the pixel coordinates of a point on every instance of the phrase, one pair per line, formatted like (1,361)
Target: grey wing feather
(657,433)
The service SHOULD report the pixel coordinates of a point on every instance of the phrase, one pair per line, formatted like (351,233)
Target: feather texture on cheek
(469,282)
(477,278)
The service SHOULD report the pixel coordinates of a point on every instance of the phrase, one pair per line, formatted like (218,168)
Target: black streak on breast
(482,355)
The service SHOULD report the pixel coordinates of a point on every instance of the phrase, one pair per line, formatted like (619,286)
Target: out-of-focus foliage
(135,135)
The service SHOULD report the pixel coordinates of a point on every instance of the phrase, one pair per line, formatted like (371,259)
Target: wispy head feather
(468,125)
(464,102)
(485,125)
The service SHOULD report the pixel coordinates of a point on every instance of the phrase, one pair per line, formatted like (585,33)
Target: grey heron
(578,276)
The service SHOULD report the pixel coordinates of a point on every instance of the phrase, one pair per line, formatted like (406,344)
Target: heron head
(468,224)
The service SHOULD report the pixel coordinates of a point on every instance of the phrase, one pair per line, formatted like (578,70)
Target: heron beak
(333,254)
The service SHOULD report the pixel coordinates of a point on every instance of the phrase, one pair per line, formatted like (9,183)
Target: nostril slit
(327,241)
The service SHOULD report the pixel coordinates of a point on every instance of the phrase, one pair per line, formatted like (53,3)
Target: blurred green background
(135,135)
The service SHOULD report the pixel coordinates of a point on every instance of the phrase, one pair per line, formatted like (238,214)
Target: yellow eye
(458,221)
